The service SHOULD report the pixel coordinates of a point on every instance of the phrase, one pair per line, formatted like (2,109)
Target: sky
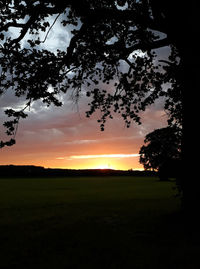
(62,137)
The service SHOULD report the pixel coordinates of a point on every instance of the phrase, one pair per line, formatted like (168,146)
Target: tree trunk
(188,41)
(190,148)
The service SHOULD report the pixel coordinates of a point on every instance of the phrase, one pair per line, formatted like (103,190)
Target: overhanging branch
(125,52)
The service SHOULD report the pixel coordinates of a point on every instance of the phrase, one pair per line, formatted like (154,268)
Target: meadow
(93,222)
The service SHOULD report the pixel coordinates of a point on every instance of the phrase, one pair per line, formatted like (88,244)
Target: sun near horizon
(99,161)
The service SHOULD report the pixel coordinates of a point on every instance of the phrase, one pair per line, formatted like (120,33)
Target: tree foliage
(113,42)
(161,145)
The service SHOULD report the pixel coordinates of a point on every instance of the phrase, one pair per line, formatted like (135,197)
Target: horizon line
(65,168)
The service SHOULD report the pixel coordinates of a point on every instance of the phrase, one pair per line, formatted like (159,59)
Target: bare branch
(50,28)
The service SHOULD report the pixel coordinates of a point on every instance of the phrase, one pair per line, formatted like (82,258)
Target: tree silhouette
(162,148)
(105,35)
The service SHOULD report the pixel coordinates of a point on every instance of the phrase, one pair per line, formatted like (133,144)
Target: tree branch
(11,24)
(50,28)
(23,31)
(68,58)
(138,18)
(125,52)
(34,13)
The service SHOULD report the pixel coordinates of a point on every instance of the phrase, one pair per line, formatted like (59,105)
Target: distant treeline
(39,171)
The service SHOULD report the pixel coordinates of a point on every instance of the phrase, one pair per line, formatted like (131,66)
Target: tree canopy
(160,146)
(112,42)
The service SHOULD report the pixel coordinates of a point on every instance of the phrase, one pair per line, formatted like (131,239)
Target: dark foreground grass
(109,222)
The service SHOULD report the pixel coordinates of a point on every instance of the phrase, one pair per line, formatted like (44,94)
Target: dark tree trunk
(188,45)
(190,148)
(184,32)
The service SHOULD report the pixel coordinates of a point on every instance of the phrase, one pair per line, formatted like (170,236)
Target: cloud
(104,156)
(82,142)
(58,37)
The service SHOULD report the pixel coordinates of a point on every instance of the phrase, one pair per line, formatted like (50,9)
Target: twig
(50,28)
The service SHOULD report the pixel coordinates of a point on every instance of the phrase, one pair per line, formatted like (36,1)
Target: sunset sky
(64,138)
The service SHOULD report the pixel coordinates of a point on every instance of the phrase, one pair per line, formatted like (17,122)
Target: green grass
(102,222)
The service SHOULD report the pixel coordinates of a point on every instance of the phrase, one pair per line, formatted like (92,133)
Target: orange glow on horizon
(103,166)
(107,163)
(102,161)
(98,161)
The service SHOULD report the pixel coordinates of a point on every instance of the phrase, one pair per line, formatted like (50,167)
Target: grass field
(102,222)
